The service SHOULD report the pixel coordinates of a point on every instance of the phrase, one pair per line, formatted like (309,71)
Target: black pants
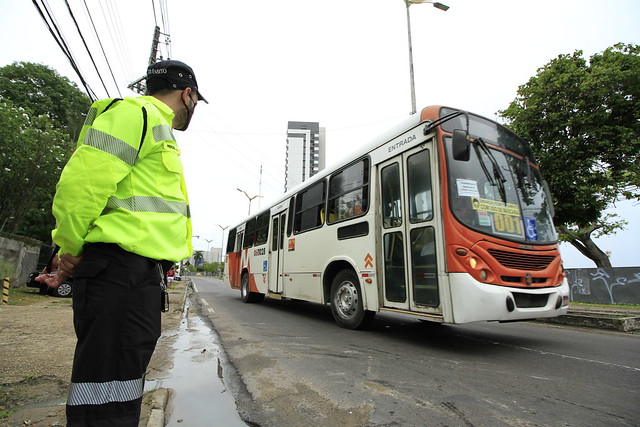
(116,316)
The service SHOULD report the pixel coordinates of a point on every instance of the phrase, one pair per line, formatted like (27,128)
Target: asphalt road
(295,366)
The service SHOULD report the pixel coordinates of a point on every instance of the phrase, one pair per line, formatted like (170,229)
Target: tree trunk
(588,248)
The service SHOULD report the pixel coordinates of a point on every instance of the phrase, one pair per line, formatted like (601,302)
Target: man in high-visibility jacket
(122,216)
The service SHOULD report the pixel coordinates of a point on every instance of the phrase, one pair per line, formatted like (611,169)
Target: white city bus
(446,218)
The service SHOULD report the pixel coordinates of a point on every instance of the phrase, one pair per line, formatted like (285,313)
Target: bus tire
(346,302)
(246,294)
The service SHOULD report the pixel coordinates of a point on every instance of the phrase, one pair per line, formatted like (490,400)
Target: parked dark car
(65,290)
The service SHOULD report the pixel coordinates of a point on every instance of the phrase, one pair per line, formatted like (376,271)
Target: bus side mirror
(460,145)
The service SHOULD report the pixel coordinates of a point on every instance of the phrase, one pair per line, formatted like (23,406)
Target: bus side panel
(258,267)
(311,255)
(305,256)
(363,256)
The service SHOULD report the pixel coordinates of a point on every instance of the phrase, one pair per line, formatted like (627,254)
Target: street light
(208,243)
(408,3)
(248,197)
(222,241)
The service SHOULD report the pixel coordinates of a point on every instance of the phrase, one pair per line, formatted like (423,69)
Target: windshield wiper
(441,121)
(497,173)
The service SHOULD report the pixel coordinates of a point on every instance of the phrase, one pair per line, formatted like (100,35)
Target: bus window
(262,228)
(391,207)
(249,233)
(290,216)
(309,204)
(239,241)
(231,240)
(274,235)
(395,287)
(423,266)
(349,192)
(419,174)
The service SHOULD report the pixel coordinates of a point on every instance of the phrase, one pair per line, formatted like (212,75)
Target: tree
(198,258)
(583,122)
(41,113)
(42,91)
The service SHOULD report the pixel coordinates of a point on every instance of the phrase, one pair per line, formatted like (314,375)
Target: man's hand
(64,264)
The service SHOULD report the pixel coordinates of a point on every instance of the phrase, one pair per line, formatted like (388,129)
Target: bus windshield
(499,191)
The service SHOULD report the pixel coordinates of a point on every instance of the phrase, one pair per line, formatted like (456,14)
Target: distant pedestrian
(170,276)
(122,215)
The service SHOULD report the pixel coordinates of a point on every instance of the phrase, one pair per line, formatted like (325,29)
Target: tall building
(305,152)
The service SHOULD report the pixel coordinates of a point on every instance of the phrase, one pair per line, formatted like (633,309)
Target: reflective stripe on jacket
(115,189)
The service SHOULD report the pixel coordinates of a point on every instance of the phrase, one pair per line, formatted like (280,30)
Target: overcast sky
(341,63)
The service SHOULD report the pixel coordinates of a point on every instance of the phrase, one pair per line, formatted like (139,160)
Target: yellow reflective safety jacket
(124,184)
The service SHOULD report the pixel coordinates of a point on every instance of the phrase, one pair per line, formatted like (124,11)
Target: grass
(28,296)
(6,413)
(615,306)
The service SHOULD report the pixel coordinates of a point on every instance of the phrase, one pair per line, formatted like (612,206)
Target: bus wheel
(346,302)
(247,295)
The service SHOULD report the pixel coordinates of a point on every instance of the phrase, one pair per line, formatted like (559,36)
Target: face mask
(189,114)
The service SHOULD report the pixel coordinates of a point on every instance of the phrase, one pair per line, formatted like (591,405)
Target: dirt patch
(36,350)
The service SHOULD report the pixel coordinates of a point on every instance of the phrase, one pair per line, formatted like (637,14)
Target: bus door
(276,252)
(410,279)
(233,265)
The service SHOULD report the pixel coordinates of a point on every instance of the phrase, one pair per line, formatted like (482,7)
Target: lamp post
(248,197)
(222,241)
(408,3)
(208,243)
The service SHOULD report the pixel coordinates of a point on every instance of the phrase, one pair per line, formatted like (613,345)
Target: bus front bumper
(474,301)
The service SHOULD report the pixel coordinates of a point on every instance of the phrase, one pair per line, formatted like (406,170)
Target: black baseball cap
(175,74)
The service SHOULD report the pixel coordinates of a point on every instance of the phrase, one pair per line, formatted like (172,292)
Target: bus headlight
(473,262)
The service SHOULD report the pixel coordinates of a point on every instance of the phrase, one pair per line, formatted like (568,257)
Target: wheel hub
(347,299)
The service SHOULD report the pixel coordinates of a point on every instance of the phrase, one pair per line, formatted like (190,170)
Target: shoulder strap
(113,101)
(144,129)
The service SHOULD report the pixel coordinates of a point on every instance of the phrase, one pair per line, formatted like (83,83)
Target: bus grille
(522,261)
(530,301)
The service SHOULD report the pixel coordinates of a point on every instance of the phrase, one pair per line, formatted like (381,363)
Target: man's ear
(186,94)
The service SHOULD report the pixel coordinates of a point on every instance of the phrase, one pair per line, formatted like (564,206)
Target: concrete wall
(605,285)
(18,258)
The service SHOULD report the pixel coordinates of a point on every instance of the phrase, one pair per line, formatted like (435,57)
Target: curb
(160,399)
(162,395)
(597,320)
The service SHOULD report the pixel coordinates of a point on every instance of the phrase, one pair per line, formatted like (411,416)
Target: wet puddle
(200,397)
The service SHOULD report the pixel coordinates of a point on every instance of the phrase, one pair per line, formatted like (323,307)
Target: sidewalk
(600,317)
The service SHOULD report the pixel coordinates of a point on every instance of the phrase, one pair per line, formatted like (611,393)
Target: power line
(104,54)
(125,65)
(86,47)
(54,29)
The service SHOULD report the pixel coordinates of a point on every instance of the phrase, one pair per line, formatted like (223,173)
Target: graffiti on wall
(605,285)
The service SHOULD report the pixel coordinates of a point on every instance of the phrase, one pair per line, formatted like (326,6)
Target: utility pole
(140,85)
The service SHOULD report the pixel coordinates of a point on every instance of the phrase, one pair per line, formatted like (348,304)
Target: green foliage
(43,92)
(198,257)
(6,413)
(213,267)
(41,113)
(32,156)
(583,122)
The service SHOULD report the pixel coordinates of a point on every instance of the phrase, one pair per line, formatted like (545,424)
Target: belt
(114,247)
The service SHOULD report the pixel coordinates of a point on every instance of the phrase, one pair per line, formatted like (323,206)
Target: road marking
(211,310)
(566,356)
(203,301)
(195,288)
